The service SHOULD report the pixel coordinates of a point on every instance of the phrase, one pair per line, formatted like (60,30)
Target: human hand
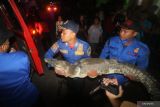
(12,50)
(92,74)
(114,81)
(130,77)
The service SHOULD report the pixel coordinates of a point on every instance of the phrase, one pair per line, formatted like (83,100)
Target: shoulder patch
(55,47)
(136,50)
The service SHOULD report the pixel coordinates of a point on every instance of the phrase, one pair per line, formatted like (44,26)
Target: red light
(49,8)
(33,32)
(55,9)
(52,7)
(38,27)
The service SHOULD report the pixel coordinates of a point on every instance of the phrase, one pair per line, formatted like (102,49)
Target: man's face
(59,18)
(67,35)
(127,33)
(5,46)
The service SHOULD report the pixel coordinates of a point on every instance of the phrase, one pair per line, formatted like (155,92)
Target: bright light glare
(49,9)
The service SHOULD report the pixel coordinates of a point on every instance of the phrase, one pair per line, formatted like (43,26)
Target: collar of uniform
(76,44)
(127,42)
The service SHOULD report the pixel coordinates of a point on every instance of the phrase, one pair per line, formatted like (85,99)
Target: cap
(71,25)
(130,24)
(4,35)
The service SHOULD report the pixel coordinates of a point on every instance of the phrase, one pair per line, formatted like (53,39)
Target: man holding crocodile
(72,50)
(125,48)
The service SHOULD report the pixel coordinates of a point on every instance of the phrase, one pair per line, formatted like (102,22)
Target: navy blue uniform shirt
(71,54)
(16,89)
(127,51)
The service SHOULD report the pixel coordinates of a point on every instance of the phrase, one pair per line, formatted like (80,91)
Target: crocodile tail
(145,78)
(137,75)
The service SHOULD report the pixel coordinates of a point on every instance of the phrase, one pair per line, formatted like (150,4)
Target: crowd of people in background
(100,27)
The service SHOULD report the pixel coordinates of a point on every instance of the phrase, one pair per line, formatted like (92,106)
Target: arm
(143,60)
(87,51)
(89,32)
(23,62)
(101,34)
(101,30)
(52,51)
(114,99)
(105,51)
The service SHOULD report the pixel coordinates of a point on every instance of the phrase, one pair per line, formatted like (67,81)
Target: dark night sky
(88,7)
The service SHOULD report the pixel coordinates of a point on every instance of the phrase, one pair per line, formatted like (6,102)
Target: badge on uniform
(79,50)
(54,47)
(136,50)
(134,53)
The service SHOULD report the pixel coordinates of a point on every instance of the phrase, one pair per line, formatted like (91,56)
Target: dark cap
(4,35)
(71,25)
(130,24)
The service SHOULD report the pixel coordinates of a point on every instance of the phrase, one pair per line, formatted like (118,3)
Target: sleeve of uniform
(52,50)
(105,51)
(25,63)
(28,63)
(87,51)
(143,59)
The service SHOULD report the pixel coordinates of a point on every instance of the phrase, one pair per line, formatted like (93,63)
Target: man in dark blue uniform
(126,49)
(72,49)
(16,89)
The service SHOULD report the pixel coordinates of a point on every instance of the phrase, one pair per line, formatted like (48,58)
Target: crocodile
(107,66)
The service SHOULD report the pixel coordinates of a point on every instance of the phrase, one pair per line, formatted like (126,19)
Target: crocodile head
(59,65)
